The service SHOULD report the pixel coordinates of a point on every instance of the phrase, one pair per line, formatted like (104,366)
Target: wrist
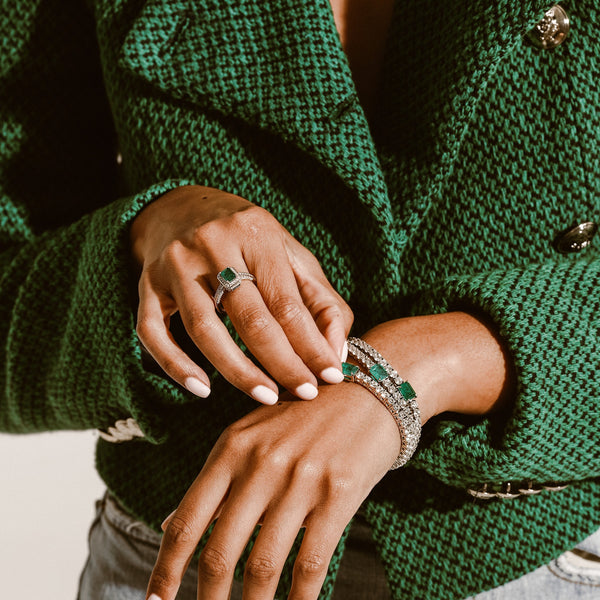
(366,412)
(454,361)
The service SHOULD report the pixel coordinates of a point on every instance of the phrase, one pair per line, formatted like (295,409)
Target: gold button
(552,30)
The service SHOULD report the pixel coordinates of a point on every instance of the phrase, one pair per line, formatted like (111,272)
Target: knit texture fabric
(483,149)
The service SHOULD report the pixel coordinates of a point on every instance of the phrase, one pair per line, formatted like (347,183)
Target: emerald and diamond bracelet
(390,389)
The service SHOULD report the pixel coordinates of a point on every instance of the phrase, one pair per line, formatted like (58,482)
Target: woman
(446,183)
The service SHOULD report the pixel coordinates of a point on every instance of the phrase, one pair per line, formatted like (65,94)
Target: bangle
(391,390)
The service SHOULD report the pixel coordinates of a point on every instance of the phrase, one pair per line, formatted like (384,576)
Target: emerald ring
(229,280)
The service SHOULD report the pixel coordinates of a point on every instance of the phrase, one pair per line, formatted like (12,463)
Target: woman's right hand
(292,320)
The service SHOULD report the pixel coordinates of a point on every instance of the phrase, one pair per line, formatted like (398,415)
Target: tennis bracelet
(397,395)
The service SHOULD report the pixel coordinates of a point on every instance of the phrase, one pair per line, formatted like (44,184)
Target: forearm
(454,361)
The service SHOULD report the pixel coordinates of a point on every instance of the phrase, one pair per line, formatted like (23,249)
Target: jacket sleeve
(70,355)
(548,318)
(70,358)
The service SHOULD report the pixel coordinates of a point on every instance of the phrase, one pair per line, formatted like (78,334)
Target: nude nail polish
(306,391)
(197,387)
(264,394)
(332,375)
(154,597)
(344,355)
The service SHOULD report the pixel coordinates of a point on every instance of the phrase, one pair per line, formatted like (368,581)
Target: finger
(265,338)
(228,539)
(211,336)
(279,291)
(277,535)
(154,312)
(330,312)
(267,341)
(184,530)
(323,532)
(332,317)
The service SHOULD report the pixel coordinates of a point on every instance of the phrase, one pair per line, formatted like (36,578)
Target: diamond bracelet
(391,390)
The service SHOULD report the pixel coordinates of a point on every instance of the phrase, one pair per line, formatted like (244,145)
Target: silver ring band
(229,279)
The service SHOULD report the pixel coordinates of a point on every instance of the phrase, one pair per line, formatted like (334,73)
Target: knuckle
(253,223)
(307,256)
(286,310)
(200,325)
(231,432)
(235,443)
(253,320)
(252,215)
(163,578)
(347,313)
(179,532)
(307,469)
(207,231)
(261,568)
(339,485)
(231,438)
(214,564)
(338,309)
(311,564)
(276,459)
(173,252)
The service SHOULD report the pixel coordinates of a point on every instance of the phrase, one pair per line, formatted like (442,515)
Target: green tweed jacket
(484,150)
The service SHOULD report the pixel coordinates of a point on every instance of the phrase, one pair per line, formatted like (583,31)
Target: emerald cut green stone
(407,391)
(378,372)
(228,274)
(349,370)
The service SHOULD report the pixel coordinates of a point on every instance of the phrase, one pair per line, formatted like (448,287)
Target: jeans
(574,575)
(123,551)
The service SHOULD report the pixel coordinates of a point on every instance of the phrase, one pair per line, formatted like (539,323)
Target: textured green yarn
(465,537)
(482,151)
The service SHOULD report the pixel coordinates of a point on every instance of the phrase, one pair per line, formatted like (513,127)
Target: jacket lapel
(278,65)
(439,62)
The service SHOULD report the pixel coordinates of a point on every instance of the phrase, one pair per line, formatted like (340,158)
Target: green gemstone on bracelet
(378,372)
(349,371)
(407,391)
(228,274)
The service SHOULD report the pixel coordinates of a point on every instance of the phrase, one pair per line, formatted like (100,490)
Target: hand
(298,464)
(292,320)
(312,464)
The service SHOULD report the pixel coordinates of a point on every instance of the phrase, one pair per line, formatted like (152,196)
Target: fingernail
(154,597)
(344,353)
(306,391)
(264,394)
(197,387)
(332,375)
(166,521)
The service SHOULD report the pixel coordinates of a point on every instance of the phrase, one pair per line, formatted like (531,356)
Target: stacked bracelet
(391,390)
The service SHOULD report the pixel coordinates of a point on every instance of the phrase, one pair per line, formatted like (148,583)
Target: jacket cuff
(547,317)
(138,396)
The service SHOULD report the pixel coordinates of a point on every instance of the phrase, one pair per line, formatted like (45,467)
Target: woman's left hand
(311,464)
(294,465)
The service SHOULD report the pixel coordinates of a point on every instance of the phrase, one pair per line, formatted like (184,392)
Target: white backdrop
(48,486)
